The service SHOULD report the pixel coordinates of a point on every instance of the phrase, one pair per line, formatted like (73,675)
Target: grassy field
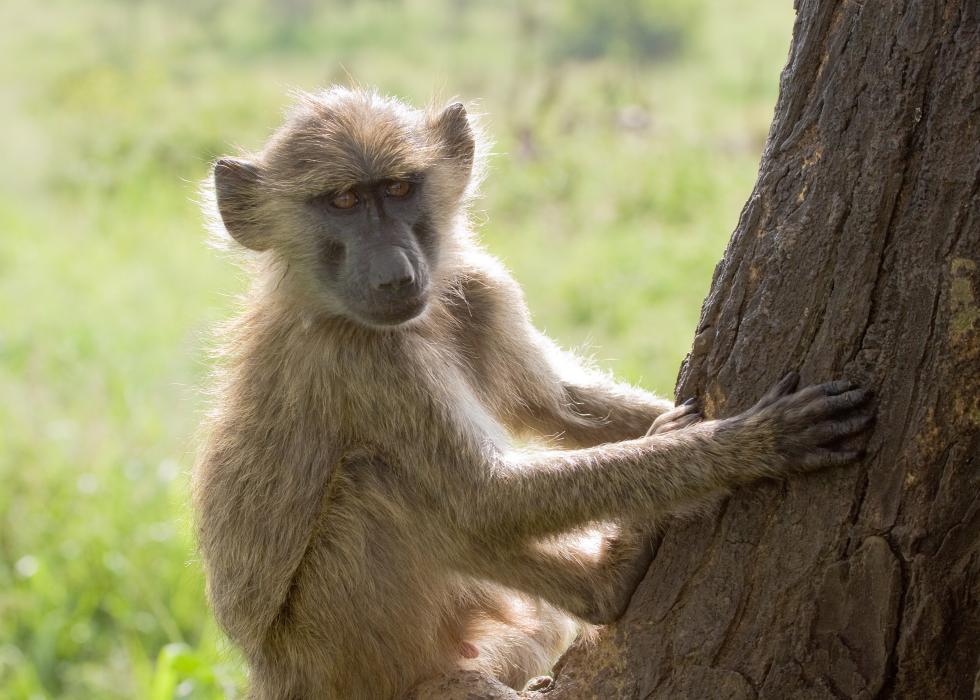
(627,139)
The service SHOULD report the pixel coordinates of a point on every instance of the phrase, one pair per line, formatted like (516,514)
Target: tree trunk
(857,255)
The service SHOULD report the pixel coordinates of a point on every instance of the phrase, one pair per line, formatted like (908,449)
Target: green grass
(627,140)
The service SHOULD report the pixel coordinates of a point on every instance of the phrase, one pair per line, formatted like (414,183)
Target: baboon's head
(358,196)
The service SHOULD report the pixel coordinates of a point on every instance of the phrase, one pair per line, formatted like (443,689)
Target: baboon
(400,470)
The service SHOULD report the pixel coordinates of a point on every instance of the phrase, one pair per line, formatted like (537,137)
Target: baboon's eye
(344,200)
(398,188)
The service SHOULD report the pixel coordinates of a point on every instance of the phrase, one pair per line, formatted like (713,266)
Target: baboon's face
(356,194)
(374,248)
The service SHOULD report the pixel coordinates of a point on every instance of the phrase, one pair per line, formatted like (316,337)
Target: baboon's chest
(433,404)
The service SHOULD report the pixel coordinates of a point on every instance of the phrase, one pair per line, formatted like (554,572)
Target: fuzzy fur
(365,517)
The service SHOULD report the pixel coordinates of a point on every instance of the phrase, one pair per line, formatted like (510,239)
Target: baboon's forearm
(538,494)
(575,406)
(602,413)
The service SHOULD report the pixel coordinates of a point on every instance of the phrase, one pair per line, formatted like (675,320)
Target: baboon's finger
(814,391)
(830,405)
(689,419)
(685,408)
(676,424)
(836,387)
(660,420)
(829,431)
(784,386)
(673,414)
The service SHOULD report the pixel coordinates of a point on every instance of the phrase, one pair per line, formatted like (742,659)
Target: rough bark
(857,255)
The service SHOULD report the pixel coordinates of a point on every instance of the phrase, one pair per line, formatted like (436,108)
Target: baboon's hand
(688,413)
(801,428)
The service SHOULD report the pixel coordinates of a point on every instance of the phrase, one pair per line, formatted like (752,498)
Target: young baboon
(364,517)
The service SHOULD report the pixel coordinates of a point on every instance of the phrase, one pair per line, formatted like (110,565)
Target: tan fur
(362,510)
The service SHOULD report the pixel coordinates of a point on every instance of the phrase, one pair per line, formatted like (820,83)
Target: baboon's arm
(595,586)
(257,495)
(537,389)
(578,406)
(541,493)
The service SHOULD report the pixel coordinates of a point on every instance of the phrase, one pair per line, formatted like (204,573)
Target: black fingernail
(690,402)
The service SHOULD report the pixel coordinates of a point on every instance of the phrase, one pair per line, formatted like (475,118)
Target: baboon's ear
(236,188)
(455,131)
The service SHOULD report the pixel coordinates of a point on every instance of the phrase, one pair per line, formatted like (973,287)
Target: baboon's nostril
(401,281)
(391,271)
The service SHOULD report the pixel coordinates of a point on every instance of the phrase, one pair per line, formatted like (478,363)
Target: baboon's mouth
(395,313)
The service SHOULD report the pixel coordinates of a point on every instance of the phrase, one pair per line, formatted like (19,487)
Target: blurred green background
(627,135)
